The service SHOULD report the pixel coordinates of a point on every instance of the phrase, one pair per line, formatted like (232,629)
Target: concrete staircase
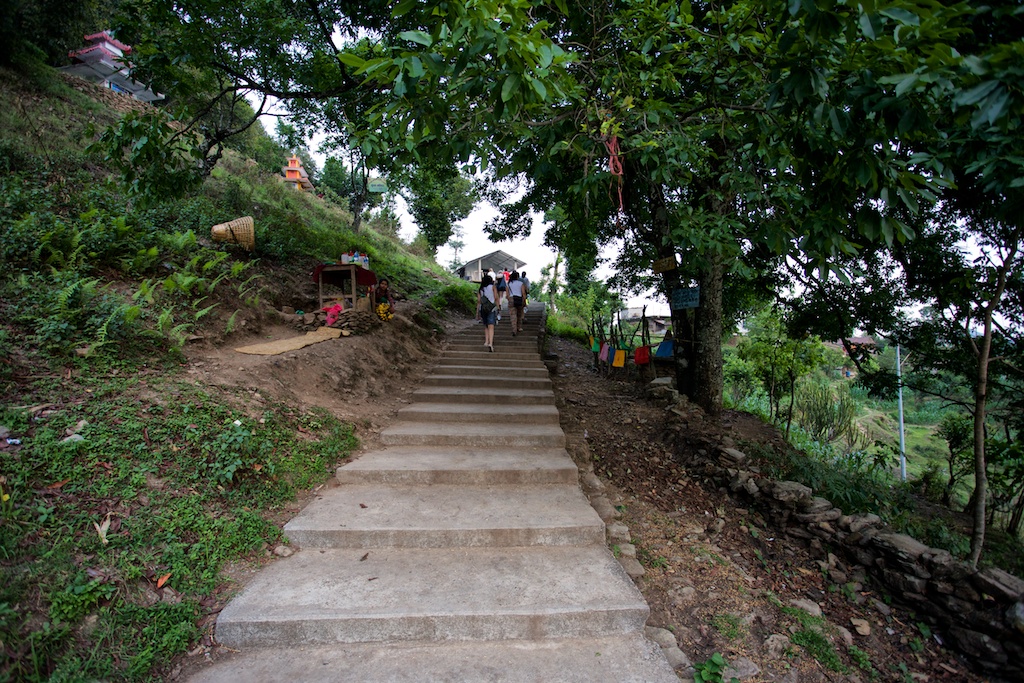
(463,551)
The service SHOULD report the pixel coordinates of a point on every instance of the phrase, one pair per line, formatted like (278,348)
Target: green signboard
(377,185)
(685,297)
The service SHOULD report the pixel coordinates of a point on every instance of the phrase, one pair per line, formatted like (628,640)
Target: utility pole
(899,404)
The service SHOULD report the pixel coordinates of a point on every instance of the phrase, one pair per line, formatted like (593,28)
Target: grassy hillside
(126,486)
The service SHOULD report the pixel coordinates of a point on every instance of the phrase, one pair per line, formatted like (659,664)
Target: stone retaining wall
(977,613)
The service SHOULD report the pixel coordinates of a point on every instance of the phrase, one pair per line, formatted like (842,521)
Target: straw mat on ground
(292,344)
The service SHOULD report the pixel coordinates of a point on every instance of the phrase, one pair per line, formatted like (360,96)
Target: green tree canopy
(438,197)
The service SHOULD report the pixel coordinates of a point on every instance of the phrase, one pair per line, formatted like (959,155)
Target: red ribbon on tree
(615,165)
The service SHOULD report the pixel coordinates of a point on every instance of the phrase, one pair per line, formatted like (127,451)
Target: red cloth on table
(364,277)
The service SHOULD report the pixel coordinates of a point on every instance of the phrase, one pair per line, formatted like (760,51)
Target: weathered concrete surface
(626,659)
(450,594)
(479,464)
(377,516)
(462,551)
(463,412)
(501,435)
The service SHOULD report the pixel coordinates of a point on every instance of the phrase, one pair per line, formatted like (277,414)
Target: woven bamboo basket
(239,231)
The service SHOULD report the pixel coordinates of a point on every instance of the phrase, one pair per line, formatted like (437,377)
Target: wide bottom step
(455,594)
(621,659)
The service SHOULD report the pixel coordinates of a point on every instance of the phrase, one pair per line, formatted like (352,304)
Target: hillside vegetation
(126,485)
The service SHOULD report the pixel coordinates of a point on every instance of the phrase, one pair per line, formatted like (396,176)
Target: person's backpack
(486,306)
(501,284)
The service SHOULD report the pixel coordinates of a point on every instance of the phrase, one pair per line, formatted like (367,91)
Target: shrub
(559,328)
(457,297)
(65,311)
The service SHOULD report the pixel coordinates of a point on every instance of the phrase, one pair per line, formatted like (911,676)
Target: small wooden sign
(663,265)
(376,185)
(685,297)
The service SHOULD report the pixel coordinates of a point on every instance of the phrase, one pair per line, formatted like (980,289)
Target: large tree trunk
(708,336)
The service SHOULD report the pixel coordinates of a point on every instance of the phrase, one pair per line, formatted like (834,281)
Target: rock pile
(352,321)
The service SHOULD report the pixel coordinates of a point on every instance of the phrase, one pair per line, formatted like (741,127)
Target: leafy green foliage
(1007,477)
(177,519)
(236,451)
(579,310)
(711,670)
(440,197)
(829,414)
(729,625)
(457,297)
(957,430)
(64,311)
(557,327)
(49,25)
(155,159)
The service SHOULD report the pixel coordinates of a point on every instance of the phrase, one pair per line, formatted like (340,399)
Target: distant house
(101,61)
(296,176)
(655,324)
(475,269)
(856,343)
(859,344)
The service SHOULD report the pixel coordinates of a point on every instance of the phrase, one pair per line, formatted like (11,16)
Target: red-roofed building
(101,61)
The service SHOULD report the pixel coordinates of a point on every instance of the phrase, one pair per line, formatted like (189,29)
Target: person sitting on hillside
(385,301)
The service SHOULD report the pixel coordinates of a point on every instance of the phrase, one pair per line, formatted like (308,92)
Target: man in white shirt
(516,301)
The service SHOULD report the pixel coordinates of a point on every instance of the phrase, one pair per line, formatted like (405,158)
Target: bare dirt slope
(716,576)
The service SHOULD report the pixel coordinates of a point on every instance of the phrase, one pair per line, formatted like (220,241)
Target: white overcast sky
(531,249)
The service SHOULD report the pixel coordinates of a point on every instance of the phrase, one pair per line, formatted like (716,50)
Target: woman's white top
(516,287)
(488,292)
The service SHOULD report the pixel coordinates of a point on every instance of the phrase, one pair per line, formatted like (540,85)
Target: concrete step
(473,412)
(507,436)
(446,516)
(486,369)
(500,348)
(498,354)
(510,379)
(612,659)
(510,344)
(479,464)
(493,360)
(327,596)
(482,394)
(504,328)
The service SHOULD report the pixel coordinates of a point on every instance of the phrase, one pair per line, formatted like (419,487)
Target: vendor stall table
(349,278)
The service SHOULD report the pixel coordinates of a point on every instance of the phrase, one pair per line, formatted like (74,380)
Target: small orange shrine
(296,176)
